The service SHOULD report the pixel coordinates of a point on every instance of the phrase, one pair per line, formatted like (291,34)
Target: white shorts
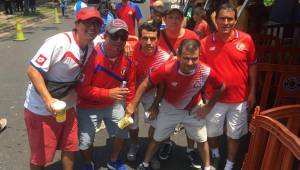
(169,117)
(146,101)
(236,116)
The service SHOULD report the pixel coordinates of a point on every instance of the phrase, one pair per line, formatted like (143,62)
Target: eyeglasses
(119,35)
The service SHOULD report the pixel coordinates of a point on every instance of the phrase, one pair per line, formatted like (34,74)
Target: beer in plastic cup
(60,110)
(126,121)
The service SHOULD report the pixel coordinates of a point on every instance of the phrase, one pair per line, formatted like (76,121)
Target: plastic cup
(126,121)
(60,110)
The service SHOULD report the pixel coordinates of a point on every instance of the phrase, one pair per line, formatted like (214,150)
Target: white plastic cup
(59,108)
(126,121)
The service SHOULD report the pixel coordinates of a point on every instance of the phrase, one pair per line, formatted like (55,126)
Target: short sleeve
(214,80)
(158,75)
(50,52)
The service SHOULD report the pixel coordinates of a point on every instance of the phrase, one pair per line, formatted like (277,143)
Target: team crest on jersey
(41,60)
(174,84)
(240,46)
(197,84)
(123,71)
(130,12)
(213,48)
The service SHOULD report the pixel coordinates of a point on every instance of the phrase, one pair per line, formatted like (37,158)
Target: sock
(188,150)
(145,164)
(207,168)
(215,153)
(229,165)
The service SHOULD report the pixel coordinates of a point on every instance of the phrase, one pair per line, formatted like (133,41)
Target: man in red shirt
(169,41)
(231,54)
(172,36)
(101,95)
(184,78)
(129,12)
(148,56)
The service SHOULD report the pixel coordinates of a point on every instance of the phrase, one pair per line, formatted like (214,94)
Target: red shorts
(46,136)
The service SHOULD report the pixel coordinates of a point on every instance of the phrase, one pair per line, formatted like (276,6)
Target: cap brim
(112,31)
(96,18)
(174,9)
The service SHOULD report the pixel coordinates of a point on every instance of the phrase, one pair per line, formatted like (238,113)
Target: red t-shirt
(230,60)
(129,13)
(183,91)
(202,29)
(188,34)
(145,63)
(102,74)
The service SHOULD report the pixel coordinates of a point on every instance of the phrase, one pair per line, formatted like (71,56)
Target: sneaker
(118,165)
(133,149)
(155,163)
(142,167)
(194,158)
(165,151)
(215,162)
(88,166)
(3,123)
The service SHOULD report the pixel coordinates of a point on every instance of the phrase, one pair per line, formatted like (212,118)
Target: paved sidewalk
(43,13)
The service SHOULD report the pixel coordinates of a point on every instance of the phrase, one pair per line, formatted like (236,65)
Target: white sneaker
(133,149)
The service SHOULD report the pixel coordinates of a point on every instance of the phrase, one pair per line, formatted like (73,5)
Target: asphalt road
(14,148)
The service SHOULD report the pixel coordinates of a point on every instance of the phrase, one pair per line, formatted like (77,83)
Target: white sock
(188,150)
(215,152)
(229,165)
(145,164)
(207,168)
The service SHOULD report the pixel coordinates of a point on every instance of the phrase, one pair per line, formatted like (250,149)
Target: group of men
(177,78)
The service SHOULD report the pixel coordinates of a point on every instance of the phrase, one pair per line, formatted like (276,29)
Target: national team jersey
(102,74)
(59,60)
(144,64)
(183,91)
(188,34)
(129,13)
(230,60)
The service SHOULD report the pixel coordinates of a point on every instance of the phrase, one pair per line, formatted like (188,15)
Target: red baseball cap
(88,13)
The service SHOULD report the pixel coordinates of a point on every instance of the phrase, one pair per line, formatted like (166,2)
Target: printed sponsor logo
(41,60)
(213,48)
(174,84)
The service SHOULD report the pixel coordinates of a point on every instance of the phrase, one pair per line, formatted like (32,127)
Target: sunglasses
(91,22)
(119,35)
